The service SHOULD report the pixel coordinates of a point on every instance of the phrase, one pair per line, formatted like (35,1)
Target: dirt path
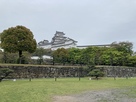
(117,95)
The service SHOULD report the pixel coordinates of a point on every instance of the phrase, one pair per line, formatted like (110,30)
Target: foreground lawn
(42,90)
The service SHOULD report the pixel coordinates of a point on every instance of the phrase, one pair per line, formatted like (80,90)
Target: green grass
(42,90)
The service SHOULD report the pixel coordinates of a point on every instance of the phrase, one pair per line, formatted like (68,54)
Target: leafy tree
(40,52)
(9,57)
(86,56)
(96,73)
(125,47)
(125,50)
(4,72)
(60,55)
(131,61)
(18,39)
(111,56)
(96,54)
(91,55)
(73,55)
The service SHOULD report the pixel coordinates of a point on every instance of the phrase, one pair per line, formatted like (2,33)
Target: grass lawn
(42,90)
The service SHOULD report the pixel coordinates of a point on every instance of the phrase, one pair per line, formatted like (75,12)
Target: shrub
(4,72)
(96,73)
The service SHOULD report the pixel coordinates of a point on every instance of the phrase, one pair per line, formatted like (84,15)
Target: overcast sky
(90,22)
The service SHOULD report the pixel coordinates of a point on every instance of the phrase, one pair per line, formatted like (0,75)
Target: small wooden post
(55,74)
(79,73)
(55,78)
(114,73)
(29,74)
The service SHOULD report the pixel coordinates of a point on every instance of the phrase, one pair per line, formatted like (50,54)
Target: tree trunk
(96,77)
(5,57)
(0,79)
(20,56)
(53,62)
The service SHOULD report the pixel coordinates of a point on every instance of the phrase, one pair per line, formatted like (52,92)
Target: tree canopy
(60,55)
(118,54)
(18,39)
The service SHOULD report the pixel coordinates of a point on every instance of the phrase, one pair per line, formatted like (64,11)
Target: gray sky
(90,22)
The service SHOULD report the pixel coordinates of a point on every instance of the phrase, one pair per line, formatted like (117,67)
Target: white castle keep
(58,41)
(61,41)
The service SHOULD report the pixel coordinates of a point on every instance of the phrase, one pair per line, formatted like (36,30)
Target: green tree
(124,51)
(96,73)
(132,61)
(60,55)
(9,57)
(40,52)
(91,55)
(4,72)
(18,39)
(74,55)
(125,47)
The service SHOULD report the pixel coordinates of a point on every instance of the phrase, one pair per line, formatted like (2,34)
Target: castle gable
(59,40)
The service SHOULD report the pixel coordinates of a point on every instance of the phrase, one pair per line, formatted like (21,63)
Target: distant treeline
(118,54)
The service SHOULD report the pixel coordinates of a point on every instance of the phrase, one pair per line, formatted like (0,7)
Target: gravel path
(116,95)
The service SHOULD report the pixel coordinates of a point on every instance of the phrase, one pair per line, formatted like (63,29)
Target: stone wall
(45,71)
(21,71)
(119,71)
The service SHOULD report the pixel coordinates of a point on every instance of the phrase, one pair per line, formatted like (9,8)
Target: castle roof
(58,40)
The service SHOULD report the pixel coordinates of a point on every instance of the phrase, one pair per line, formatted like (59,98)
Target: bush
(96,73)
(4,72)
